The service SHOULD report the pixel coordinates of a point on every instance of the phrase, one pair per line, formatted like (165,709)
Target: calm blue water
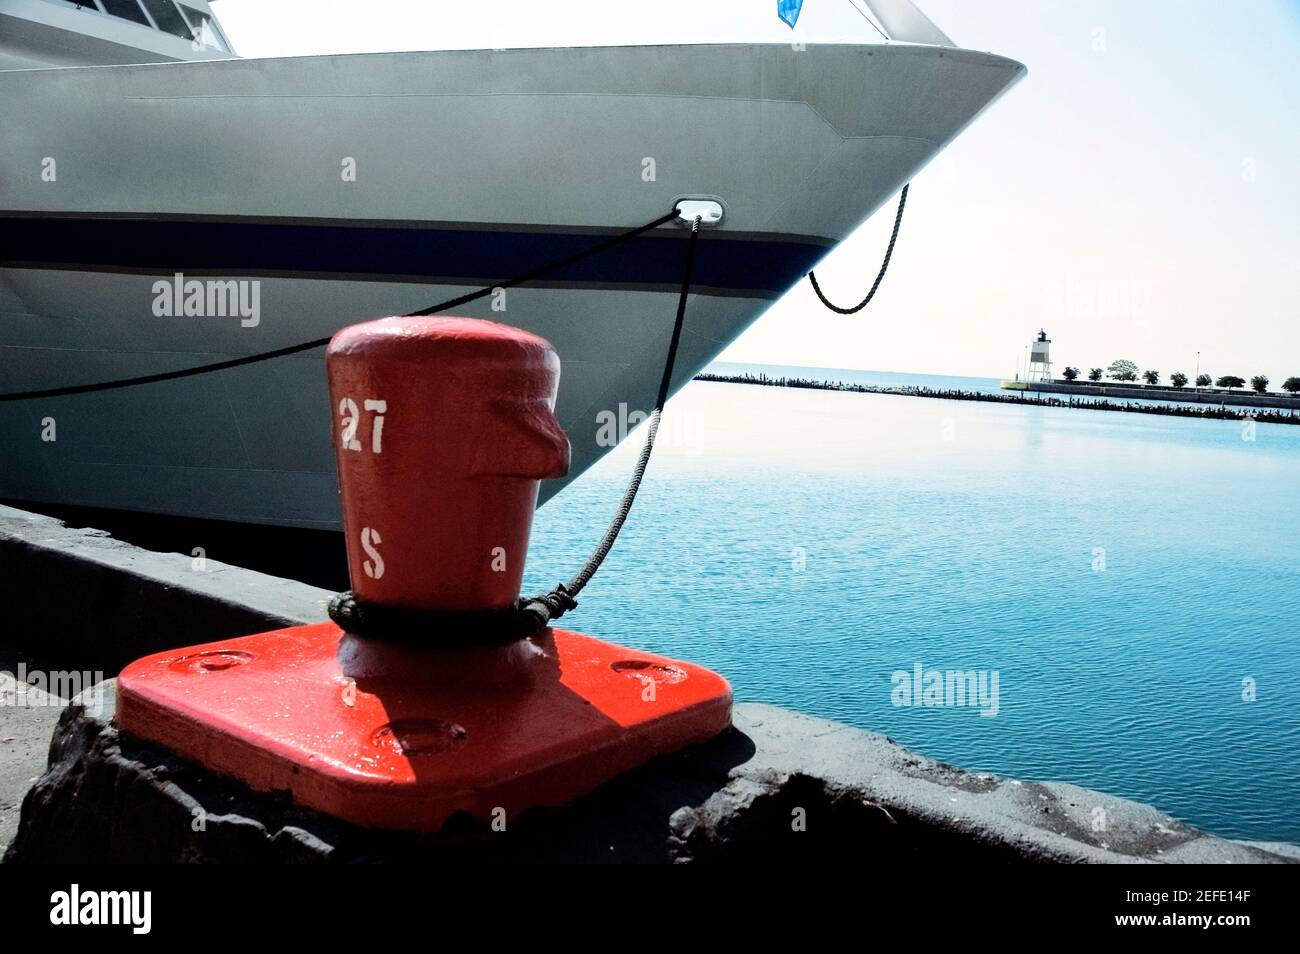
(1123,574)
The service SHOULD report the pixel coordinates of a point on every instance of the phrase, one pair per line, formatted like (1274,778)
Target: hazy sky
(1138,194)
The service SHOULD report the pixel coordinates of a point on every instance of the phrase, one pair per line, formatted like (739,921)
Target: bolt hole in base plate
(406,751)
(655,672)
(212,660)
(419,736)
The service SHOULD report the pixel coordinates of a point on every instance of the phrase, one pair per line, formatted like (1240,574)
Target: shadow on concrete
(314,557)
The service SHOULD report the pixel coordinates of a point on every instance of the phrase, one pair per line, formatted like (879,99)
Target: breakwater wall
(1130,403)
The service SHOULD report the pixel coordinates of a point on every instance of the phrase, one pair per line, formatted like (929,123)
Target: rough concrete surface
(779,785)
(27,720)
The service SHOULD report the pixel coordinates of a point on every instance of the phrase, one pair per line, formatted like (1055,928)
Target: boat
(142,158)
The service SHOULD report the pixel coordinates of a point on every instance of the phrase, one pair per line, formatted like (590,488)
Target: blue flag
(788,10)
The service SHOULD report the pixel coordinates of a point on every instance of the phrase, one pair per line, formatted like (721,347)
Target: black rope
(884,266)
(551,606)
(431,628)
(322,342)
(531,614)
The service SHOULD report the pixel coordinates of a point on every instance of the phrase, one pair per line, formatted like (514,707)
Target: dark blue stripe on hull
(760,267)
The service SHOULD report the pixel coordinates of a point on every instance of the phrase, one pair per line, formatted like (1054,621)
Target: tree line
(1122,369)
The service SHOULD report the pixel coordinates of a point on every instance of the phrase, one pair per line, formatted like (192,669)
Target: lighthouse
(1040,359)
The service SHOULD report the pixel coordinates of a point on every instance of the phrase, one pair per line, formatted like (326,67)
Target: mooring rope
(564,597)
(884,266)
(531,614)
(533,275)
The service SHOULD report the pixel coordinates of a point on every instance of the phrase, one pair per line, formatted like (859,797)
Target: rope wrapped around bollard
(421,627)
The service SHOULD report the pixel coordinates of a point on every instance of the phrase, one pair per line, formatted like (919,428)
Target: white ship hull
(471,167)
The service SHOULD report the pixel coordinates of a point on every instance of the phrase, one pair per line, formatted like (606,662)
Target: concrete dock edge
(779,785)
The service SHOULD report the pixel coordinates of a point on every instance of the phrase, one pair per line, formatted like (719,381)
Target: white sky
(1138,194)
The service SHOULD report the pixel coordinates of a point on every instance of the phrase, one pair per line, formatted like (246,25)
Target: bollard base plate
(390,737)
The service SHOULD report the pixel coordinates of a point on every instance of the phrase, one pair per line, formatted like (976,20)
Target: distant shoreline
(1217,412)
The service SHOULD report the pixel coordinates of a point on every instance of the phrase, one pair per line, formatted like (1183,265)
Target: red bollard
(434,410)
(444,427)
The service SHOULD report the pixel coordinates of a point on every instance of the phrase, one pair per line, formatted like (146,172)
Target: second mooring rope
(884,266)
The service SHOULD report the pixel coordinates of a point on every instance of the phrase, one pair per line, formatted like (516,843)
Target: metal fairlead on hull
(445,427)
